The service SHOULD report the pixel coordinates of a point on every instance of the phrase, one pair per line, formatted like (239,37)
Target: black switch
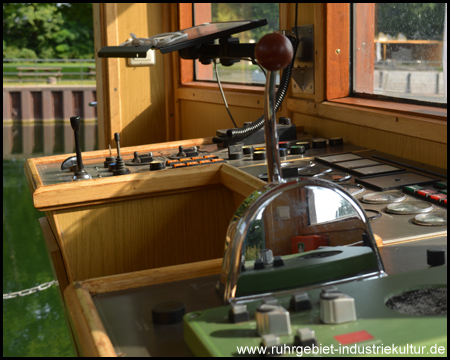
(300,302)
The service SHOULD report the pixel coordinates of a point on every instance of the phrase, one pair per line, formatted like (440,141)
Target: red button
(427,192)
(354,337)
(438,197)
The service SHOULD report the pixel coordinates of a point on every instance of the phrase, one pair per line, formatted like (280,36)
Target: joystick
(120,168)
(80,173)
(274,52)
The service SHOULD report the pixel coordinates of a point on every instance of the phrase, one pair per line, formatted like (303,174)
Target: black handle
(75,122)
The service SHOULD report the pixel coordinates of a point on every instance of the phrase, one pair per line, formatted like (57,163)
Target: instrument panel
(403,200)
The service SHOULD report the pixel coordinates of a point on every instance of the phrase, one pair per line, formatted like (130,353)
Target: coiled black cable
(243,132)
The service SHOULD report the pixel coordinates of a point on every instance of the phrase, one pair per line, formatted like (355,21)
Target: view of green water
(33,325)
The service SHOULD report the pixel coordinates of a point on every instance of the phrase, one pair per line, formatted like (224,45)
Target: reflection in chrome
(317,232)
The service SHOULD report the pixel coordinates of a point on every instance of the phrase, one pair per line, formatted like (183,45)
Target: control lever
(274,52)
(80,172)
(120,168)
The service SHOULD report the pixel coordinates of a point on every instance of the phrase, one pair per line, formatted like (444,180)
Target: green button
(412,188)
(441,185)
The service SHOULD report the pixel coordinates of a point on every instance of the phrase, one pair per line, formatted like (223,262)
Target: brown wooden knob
(274,52)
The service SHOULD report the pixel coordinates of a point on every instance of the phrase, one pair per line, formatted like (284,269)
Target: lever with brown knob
(274,52)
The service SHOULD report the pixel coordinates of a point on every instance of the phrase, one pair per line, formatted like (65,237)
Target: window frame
(187,75)
(334,69)
(338,84)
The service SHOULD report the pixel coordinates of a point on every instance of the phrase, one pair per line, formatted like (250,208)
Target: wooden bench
(38,71)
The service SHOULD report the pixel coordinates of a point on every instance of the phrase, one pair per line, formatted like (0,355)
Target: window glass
(243,72)
(406,59)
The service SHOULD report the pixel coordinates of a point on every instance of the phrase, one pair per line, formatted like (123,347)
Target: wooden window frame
(187,78)
(335,17)
(337,68)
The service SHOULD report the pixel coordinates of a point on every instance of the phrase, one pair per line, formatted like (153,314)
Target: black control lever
(80,172)
(120,168)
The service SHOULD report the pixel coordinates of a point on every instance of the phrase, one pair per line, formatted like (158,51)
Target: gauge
(353,189)
(409,207)
(312,171)
(383,198)
(430,219)
(372,214)
(334,176)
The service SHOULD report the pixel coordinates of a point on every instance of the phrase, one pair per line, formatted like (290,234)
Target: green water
(33,325)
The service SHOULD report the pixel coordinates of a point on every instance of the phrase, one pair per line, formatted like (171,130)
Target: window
(243,72)
(399,49)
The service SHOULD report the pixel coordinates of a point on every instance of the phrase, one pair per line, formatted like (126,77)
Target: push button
(297,150)
(238,313)
(441,185)
(337,308)
(259,155)
(305,337)
(272,319)
(178,165)
(192,163)
(426,192)
(157,165)
(300,302)
(172,162)
(210,156)
(411,189)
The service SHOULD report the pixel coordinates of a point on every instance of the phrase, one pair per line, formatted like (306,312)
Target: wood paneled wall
(147,233)
(151,104)
(131,99)
(180,222)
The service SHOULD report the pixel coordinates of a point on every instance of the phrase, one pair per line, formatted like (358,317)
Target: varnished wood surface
(146,221)
(115,188)
(149,277)
(133,101)
(399,134)
(90,335)
(35,182)
(54,254)
(147,233)
(337,50)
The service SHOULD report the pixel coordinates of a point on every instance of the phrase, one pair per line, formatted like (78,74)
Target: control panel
(348,319)
(402,199)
